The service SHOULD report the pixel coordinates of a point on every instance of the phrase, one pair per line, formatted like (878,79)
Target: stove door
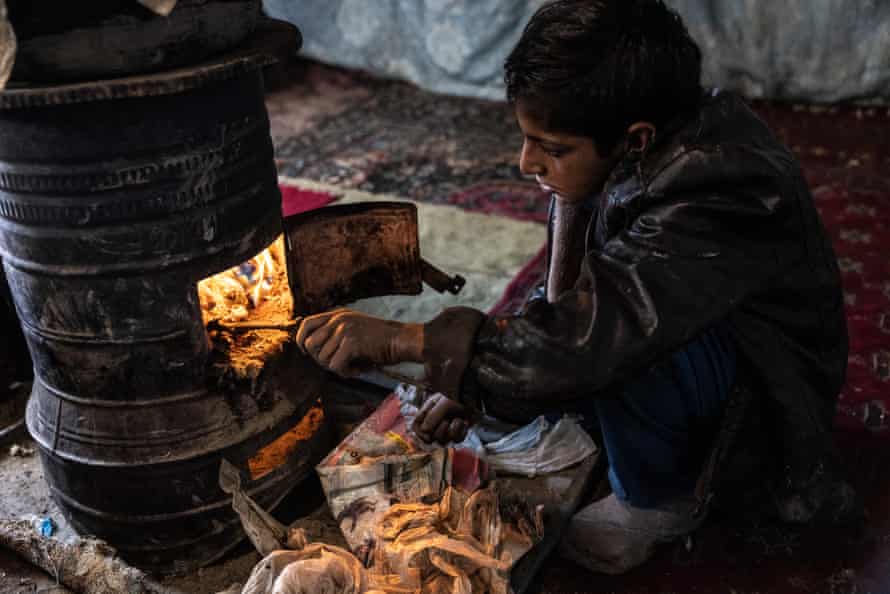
(339,254)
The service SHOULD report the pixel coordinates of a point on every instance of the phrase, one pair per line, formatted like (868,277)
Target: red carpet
(295,200)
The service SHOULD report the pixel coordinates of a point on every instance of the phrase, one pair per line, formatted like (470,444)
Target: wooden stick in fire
(291,327)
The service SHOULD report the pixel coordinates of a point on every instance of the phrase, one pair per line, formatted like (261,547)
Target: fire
(257,288)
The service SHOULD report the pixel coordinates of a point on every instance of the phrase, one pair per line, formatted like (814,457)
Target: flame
(235,294)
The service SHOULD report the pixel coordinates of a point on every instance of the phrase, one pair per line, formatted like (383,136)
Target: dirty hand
(442,420)
(348,342)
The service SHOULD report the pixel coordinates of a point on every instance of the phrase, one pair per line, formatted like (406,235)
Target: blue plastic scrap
(47,528)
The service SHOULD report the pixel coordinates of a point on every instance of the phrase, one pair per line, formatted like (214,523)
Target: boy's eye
(554,152)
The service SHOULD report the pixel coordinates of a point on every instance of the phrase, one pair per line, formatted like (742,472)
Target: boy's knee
(605,548)
(612,537)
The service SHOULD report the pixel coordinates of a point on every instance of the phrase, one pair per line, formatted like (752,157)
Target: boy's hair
(594,67)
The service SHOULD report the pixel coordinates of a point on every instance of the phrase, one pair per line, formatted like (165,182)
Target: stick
(237,327)
(85,566)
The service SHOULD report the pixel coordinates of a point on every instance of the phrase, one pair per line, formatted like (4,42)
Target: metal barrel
(115,200)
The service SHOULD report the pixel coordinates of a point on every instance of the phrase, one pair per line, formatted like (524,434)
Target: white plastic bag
(539,449)
(315,569)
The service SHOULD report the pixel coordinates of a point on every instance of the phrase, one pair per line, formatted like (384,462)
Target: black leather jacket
(714,223)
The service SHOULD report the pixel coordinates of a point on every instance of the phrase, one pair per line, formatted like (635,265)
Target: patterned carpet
(399,141)
(388,137)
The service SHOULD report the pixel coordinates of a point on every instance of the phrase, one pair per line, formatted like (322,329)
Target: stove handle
(439,280)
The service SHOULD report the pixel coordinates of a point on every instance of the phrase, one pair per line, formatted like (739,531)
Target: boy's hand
(348,342)
(442,420)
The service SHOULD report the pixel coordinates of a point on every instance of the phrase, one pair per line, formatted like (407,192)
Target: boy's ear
(639,138)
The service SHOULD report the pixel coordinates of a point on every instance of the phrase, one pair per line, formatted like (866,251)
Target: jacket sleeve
(677,267)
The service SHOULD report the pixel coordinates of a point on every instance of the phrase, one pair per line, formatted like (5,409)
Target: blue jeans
(659,431)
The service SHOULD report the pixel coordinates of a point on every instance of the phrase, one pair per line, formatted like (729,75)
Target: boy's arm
(679,267)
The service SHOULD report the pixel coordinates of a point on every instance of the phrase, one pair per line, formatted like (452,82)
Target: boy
(687,265)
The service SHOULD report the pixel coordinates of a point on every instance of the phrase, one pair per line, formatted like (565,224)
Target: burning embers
(256,290)
(249,291)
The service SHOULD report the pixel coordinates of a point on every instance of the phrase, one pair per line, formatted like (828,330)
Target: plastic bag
(539,449)
(523,439)
(315,569)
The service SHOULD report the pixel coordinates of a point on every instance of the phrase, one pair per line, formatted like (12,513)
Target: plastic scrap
(265,532)
(20,451)
(47,527)
(314,569)
(539,449)
(520,440)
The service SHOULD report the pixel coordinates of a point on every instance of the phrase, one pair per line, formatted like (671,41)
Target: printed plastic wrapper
(380,464)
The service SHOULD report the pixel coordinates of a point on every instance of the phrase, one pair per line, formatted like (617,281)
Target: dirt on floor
(24,493)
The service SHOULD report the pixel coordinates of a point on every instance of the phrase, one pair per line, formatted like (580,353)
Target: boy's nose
(529,163)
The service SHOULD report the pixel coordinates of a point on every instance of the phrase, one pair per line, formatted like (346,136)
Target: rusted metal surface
(343,253)
(75,41)
(440,281)
(272,41)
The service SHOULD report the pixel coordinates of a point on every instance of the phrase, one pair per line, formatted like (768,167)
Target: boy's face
(562,163)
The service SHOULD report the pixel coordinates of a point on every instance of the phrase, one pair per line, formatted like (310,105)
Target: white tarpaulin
(821,50)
